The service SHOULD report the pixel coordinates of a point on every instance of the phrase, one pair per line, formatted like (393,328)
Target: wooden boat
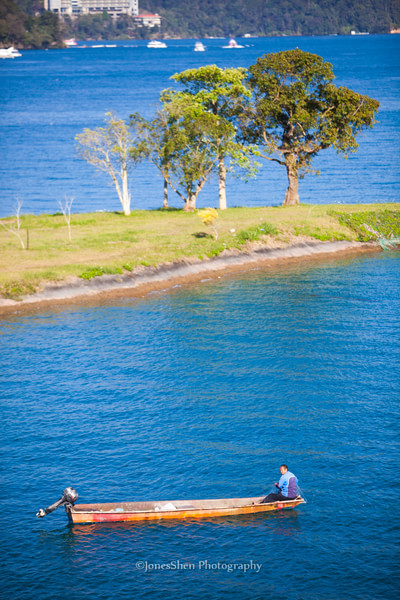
(169,509)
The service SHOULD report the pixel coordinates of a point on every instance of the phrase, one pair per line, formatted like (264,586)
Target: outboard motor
(69,496)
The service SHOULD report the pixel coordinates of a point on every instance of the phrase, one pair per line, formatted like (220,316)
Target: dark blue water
(204,392)
(49,97)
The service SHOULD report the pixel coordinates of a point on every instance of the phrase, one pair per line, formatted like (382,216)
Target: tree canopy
(220,95)
(202,18)
(187,146)
(285,108)
(297,111)
(27,30)
(177,141)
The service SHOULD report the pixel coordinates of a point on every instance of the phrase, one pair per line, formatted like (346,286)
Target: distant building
(82,7)
(147,20)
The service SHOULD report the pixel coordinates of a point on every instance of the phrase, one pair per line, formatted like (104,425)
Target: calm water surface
(203,392)
(46,98)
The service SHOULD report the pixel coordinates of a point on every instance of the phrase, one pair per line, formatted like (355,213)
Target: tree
(66,211)
(297,111)
(112,149)
(222,94)
(177,142)
(208,217)
(186,149)
(14,227)
(155,135)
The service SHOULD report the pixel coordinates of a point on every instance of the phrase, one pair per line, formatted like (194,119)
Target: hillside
(25,24)
(275,17)
(26,27)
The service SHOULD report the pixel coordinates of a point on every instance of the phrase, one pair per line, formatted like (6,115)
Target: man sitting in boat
(287,487)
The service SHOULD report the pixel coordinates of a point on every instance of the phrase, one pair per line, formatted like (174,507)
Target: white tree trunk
(221,183)
(126,198)
(190,204)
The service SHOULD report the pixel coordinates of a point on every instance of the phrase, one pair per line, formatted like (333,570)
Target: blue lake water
(204,392)
(49,97)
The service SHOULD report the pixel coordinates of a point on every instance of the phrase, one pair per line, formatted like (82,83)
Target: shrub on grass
(98,271)
(254,233)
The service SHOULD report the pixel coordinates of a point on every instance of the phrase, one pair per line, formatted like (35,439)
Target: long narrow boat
(168,509)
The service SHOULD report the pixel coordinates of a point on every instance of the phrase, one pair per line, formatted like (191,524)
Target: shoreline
(145,280)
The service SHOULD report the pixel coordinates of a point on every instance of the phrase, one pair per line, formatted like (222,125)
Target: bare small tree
(66,211)
(14,227)
(112,149)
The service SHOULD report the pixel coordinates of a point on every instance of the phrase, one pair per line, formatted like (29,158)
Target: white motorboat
(10,52)
(199,47)
(156,44)
(233,44)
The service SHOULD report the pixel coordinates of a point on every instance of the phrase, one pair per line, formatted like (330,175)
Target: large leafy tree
(186,152)
(115,150)
(177,142)
(158,136)
(297,111)
(219,96)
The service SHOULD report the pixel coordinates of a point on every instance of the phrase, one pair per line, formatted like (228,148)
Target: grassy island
(109,242)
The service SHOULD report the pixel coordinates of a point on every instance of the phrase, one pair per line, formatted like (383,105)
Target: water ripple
(203,393)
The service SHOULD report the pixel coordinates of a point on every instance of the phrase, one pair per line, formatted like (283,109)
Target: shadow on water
(285,523)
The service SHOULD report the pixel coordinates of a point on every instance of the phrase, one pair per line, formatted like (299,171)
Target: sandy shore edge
(144,280)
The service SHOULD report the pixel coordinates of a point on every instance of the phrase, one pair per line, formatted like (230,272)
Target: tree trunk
(165,203)
(221,182)
(190,204)
(292,192)
(126,199)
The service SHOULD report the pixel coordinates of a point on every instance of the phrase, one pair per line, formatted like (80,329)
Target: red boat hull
(193,509)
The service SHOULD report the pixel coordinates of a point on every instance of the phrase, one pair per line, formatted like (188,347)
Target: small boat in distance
(71,42)
(162,509)
(156,44)
(10,52)
(233,44)
(199,47)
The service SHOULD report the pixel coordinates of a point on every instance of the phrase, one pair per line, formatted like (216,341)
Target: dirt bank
(144,280)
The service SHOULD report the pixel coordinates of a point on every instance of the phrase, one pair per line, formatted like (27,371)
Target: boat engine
(69,496)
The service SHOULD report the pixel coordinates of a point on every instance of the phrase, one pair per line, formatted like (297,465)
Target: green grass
(112,243)
(98,271)
(256,232)
(386,223)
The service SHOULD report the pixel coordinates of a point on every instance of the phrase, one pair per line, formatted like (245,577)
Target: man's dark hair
(285,467)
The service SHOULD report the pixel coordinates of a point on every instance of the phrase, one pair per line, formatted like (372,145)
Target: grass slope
(112,243)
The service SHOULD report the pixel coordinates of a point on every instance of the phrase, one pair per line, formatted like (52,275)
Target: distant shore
(145,280)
